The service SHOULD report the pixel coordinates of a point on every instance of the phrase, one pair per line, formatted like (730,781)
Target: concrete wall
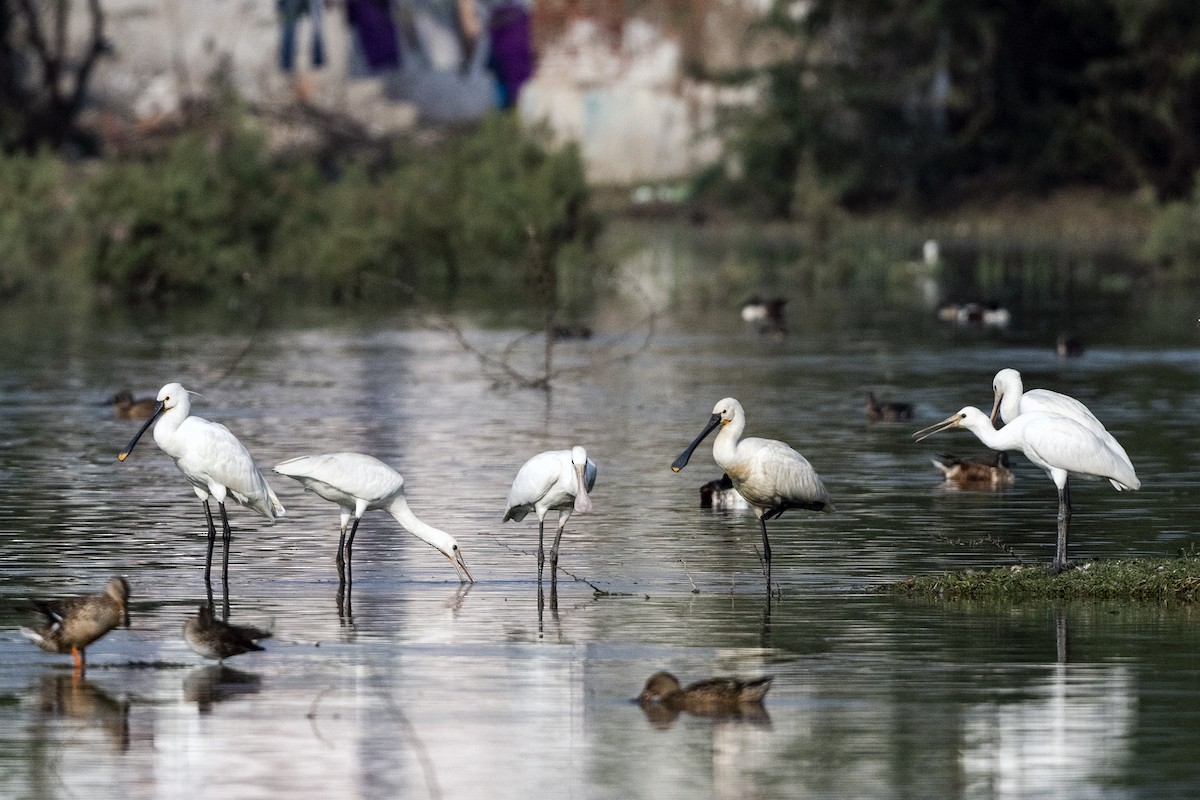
(626,104)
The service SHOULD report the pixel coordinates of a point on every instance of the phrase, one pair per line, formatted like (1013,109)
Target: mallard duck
(714,696)
(71,624)
(975,473)
(212,638)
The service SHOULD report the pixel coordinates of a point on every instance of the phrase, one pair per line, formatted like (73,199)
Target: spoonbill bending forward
(358,483)
(214,462)
(768,473)
(556,480)
(1011,401)
(1058,444)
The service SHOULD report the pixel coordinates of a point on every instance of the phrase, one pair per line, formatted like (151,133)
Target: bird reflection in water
(663,700)
(74,697)
(214,683)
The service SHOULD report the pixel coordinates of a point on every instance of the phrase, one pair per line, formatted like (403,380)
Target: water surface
(432,689)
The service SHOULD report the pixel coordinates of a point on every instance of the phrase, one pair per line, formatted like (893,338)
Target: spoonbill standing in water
(357,483)
(556,480)
(1058,444)
(1011,401)
(768,473)
(214,462)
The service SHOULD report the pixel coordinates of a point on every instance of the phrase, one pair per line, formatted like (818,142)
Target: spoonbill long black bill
(769,474)
(556,480)
(357,483)
(1059,445)
(214,462)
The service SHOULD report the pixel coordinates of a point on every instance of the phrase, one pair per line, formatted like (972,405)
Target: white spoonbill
(556,480)
(214,462)
(358,483)
(1011,401)
(1057,444)
(768,473)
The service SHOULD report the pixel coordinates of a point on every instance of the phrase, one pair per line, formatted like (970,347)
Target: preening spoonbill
(975,473)
(556,480)
(71,624)
(768,473)
(1057,444)
(357,483)
(214,462)
(212,638)
(1011,401)
(887,410)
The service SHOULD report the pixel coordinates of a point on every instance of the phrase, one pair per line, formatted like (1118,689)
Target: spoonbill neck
(725,445)
(439,539)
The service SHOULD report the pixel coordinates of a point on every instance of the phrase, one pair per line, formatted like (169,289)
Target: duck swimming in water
(713,696)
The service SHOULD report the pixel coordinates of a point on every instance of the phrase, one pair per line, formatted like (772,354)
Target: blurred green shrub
(215,213)
(1174,237)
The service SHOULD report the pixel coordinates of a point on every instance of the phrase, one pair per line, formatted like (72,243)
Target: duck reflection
(213,683)
(726,699)
(74,697)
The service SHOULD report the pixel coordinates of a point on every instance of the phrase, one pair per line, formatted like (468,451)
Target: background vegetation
(873,113)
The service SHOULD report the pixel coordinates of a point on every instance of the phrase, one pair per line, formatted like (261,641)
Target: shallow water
(429,688)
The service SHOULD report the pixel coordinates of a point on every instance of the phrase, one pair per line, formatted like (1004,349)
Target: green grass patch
(1141,579)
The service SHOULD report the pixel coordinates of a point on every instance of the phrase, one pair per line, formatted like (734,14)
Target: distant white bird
(556,480)
(214,462)
(1011,401)
(1059,445)
(768,473)
(359,483)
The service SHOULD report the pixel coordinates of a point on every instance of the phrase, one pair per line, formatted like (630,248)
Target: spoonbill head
(357,483)
(1058,444)
(73,623)
(213,460)
(768,473)
(554,480)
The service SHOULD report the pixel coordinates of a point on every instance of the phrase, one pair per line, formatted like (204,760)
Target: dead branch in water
(502,363)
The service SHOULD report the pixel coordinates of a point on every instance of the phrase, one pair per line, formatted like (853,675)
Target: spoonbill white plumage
(357,483)
(1011,401)
(555,480)
(768,473)
(1058,444)
(214,462)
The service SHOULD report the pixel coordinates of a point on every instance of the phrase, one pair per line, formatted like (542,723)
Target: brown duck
(126,407)
(71,624)
(975,473)
(212,638)
(714,696)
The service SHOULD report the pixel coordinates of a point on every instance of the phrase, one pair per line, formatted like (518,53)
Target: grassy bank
(1142,579)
